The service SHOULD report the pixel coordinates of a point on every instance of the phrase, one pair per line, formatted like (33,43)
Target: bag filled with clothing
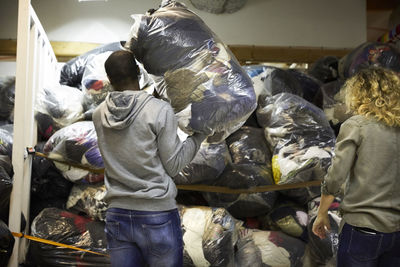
(70,229)
(209,235)
(268,248)
(57,106)
(302,141)
(385,55)
(6,139)
(88,199)
(6,183)
(244,176)
(71,73)
(208,164)
(193,69)
(76,144)
(6,244)
(7,97)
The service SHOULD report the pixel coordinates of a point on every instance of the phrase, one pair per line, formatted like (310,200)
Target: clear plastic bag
(193,69)
(268,248)
(244,176)
(209,235)
(88,199)
(57,106)
(76,143)
(71,73)
(207,165)
(7,97)
(248,145)
(384,55)
(6,139)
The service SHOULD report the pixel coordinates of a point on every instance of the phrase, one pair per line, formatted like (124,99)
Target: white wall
(326,23)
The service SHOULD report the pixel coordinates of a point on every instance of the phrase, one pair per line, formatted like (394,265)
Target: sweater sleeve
(174,154)
(345,154)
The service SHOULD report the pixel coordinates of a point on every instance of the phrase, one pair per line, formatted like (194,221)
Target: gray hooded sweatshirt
(137,138)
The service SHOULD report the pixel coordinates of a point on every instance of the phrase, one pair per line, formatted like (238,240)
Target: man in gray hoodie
(137,138)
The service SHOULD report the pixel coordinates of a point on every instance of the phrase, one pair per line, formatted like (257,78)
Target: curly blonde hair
(375,92)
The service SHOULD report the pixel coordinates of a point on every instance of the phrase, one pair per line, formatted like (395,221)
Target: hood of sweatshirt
(120,109)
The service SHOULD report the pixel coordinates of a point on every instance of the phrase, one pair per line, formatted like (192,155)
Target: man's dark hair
(121,69)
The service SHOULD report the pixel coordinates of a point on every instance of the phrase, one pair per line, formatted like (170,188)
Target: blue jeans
(361,247)
(144,238)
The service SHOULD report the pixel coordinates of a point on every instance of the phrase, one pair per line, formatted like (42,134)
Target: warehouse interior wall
(315,23)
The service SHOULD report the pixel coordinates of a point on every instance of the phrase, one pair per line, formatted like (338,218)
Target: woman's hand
(321,225)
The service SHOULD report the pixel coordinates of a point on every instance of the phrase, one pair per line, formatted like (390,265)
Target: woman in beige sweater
(367,158)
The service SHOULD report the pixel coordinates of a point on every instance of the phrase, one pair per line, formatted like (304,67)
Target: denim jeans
(358,247)
(144,238)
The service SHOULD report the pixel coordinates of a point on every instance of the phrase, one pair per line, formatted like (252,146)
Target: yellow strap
(41,240)
(209,188)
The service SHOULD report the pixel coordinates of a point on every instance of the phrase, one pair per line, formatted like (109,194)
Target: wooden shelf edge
(246,54)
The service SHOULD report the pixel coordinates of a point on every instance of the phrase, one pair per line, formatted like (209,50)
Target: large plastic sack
(325,69)
(7,97)
(95,83)
(72,72)
(287,217)
(244,176)
(57,106)
(6,183)
(206,166)
(322,252)
(209,235)
(248,145)
(49,188)
(302,141)
(269,80)
(368,54)
(88,200)
(193,69)
(309,85)
(6,139)
(77,144)
(70,229)
(256,248)
(6,244)
(334,105)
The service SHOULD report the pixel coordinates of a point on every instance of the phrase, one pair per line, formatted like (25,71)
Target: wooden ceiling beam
(246,54)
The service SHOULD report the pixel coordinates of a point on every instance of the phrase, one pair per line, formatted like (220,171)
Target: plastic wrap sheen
(193,69)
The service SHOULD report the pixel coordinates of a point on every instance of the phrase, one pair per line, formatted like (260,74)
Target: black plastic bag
(6,244)
(72,72)
(71,229)
(7,97)
(244,176)
(368,54)
(207,165)
(6,183)
(325,69)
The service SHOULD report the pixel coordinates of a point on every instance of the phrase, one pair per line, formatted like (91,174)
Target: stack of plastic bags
(250,167)
(301,138)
